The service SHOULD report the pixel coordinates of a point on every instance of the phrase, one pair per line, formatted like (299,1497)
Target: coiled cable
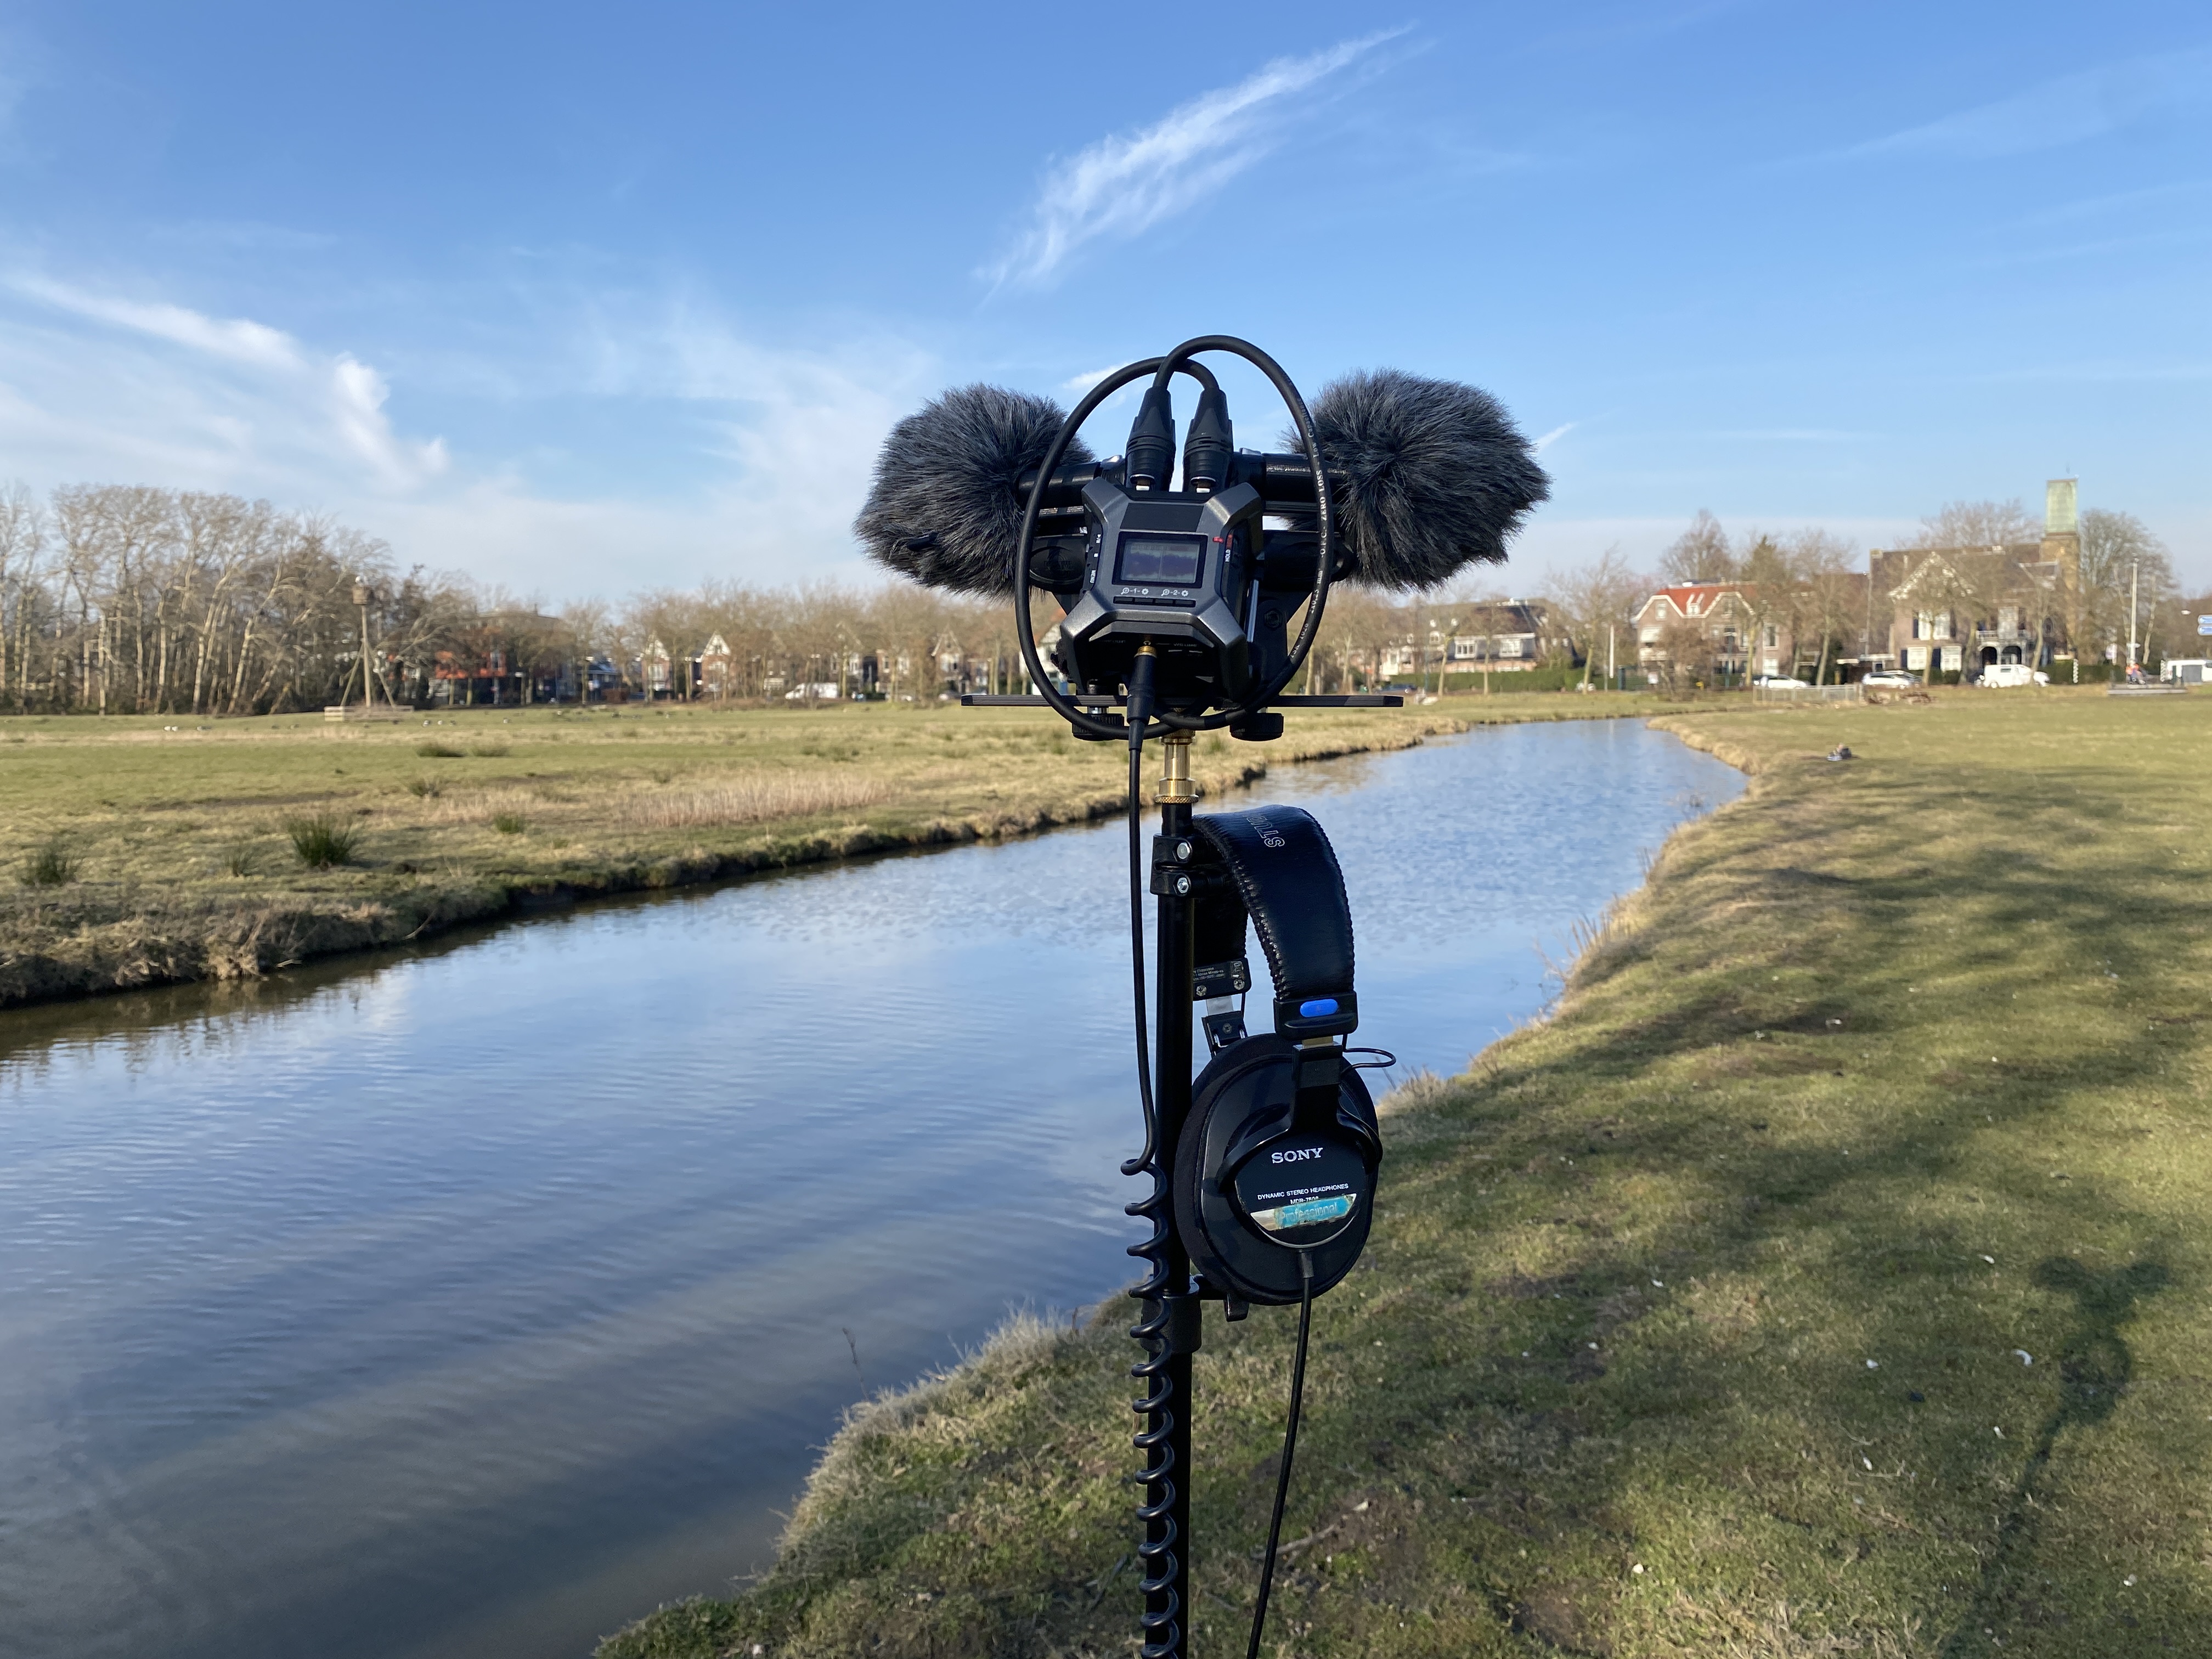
(1157,1557)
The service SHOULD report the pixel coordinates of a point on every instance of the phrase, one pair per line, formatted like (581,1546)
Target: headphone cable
(1290,1446)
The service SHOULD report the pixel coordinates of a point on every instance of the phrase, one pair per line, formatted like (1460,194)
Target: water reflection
(479,1297)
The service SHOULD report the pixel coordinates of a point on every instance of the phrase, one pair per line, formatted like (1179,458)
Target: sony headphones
(1277,1160)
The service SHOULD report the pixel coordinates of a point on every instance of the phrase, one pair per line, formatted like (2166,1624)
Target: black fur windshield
(947,508)
(1437,475)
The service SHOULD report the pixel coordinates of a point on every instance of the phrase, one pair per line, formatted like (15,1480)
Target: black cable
(1137,958)
(1024,633)
(1290,1446)
(1324,520)
(1197,372)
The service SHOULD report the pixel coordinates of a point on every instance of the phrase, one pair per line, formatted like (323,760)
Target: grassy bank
(1828,1276)
(139,851)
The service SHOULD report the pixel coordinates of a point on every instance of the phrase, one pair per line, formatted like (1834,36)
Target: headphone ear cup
(1242,1071)
(1254,1084)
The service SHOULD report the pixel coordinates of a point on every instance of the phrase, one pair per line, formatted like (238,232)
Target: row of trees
(130,599)
(902,641)
(135,600)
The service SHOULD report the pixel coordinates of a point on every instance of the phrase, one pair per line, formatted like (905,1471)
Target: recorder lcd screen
(1164,560)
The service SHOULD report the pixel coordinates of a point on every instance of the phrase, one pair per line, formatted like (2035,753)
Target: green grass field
(138,850)
(1828,1276)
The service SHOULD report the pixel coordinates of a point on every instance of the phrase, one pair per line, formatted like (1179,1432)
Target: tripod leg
(1170,1327)
(1170,1332)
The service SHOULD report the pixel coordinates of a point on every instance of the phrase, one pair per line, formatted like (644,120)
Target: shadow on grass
(2094,1368)
(1830,1074)
(1925,1123)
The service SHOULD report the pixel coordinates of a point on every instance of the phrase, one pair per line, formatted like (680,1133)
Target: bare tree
(586,621)
(1977,524)
(1700,553)
(1769,596)
(1688,657)
(22,539)
(1829,592)
(1356,628)
(2119,558)
(1594,606)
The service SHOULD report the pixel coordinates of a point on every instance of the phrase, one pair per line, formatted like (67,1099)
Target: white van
(2013,674)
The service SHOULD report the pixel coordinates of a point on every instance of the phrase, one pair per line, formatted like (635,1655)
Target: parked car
(1891,680)
(1781,681)
(2013,674)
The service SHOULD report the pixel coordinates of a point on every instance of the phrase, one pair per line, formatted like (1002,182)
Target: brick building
(1944,610)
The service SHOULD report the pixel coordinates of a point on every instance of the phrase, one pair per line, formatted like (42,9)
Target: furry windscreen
(947,508)
(1436,476)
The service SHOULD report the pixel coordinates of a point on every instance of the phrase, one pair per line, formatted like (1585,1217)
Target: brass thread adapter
(1175,770)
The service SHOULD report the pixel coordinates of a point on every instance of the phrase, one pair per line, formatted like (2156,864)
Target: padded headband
(1283,874)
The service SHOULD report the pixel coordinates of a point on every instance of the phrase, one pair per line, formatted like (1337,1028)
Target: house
(714,670)
(504,657)
(1962,608)
(1492,636)
(1722,621)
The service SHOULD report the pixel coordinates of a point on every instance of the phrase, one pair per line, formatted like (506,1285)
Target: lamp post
(2135,591)
(1420,648)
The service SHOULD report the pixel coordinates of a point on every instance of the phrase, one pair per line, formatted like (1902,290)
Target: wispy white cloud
(326,406)
(2069,110)
(1793,434)
(770,446)
(234,339)
(2154,196)
(1077,384)
(781,436)
(1125,184)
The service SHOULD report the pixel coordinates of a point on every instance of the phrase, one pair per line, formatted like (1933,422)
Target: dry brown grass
(179,868)
(755,798)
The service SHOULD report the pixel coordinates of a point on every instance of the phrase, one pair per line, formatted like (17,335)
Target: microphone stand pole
(1169,1326)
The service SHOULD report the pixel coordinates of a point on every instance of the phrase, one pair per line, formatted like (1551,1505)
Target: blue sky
(587,299)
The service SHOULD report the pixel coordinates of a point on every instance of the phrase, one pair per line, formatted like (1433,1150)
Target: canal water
(477,1299)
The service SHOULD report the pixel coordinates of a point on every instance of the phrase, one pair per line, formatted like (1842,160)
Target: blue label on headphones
(1317,1008)
(1302,1190)
(1311,1212)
